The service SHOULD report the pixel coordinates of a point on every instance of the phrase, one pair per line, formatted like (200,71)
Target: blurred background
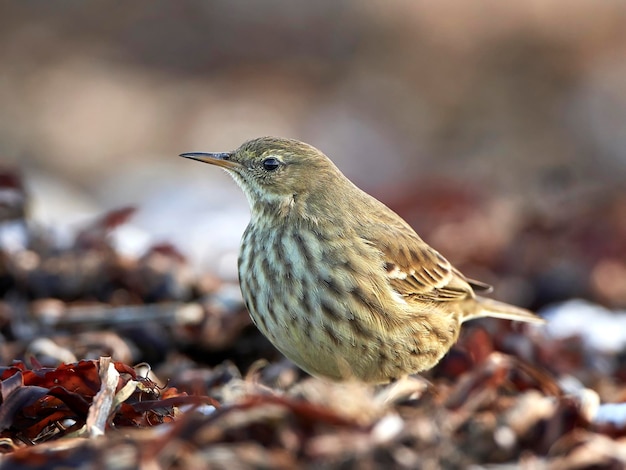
(498,129)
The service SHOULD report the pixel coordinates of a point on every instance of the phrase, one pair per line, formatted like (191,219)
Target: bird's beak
(222,159)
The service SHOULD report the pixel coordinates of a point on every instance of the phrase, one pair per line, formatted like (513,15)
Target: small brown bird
(336,280)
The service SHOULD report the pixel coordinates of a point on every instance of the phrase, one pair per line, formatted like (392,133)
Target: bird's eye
(271,163)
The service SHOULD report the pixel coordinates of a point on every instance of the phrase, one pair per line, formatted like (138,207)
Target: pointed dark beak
(222,159)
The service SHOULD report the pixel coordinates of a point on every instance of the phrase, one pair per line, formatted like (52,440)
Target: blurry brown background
(496,128)
(460,115)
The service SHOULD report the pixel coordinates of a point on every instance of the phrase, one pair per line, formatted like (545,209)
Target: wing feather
(415,269)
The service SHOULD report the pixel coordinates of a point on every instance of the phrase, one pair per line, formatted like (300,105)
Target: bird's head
(275,171)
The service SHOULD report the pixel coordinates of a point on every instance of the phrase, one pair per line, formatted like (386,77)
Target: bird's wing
(415,269)
(422,272)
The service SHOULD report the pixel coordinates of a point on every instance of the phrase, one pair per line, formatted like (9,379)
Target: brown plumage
(337,281)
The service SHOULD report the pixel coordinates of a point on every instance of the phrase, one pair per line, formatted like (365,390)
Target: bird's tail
(492,308)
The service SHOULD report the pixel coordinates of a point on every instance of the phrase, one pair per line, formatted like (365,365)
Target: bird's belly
(313,313)
(286,309)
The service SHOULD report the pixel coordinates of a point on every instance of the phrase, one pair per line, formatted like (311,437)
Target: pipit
(336,280)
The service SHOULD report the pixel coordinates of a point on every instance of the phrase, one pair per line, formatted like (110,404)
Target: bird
(338,282)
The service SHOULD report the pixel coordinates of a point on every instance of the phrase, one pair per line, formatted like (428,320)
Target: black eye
(271,163)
